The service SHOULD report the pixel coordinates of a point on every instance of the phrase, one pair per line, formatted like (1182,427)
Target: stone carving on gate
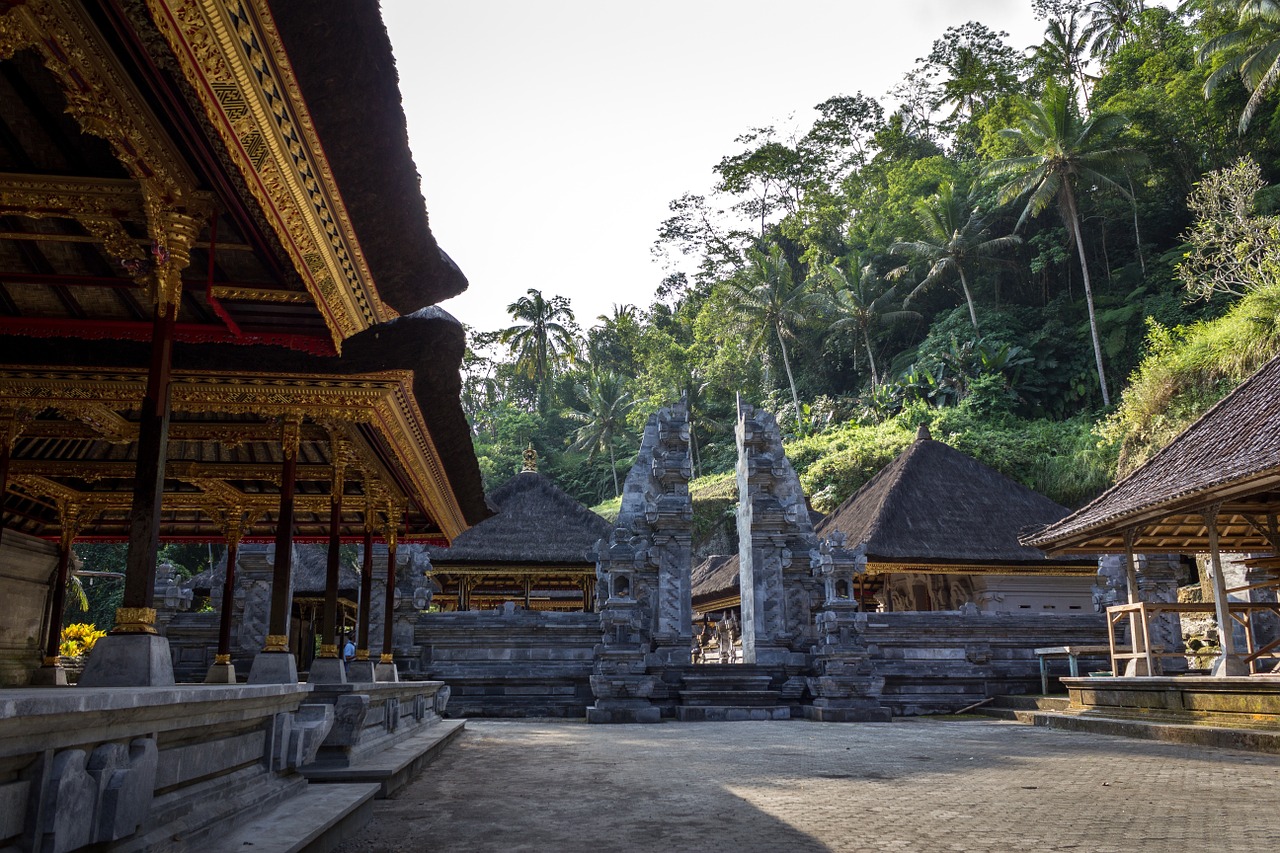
(778,592)
(642,572)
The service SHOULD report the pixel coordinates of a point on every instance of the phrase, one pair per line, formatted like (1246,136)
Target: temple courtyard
(922,785)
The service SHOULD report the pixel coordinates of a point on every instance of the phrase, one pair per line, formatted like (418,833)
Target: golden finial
(530,459)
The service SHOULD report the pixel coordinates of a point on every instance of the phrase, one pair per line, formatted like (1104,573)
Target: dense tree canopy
(881,259)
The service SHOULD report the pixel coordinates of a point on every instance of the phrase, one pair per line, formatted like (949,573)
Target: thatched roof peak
(934,504)
(535,521)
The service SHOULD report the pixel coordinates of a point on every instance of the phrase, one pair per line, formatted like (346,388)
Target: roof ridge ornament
(530,460)
(923,434)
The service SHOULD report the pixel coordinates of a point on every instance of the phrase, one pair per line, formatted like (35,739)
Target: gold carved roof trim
(1049,569)
(233,57)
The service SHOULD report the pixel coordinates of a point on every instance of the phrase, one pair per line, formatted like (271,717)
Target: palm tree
(1250,52)
(1066,149)
(1111,24)
(767,299)
(543,339)
(603,417)
(1063,50)
(861,299)
(954,240)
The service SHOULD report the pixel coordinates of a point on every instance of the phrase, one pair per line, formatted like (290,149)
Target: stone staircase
(729,692)
(1023,709)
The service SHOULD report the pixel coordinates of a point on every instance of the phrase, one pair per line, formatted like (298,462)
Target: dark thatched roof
(429,342)
(936,505)
(341,55)
(715,577)
(1231,454)
(535,522)
(309,568)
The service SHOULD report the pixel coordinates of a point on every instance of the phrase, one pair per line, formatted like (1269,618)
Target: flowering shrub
(78,639)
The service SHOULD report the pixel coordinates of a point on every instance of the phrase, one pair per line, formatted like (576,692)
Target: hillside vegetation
(1056,257)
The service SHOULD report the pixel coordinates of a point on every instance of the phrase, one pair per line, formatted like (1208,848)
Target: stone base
(386,672)
(361,672)
(327,671)
(50,676)
(1224,666)
(847,715)
(624,713)
(221,673)
(728,713)
(129,660)
(274,668)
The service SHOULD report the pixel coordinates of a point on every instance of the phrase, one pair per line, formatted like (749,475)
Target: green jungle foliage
(1055,257)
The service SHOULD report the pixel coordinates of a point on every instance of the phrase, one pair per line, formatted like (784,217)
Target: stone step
(730,713)
(394,767)
(727,682)
(1029,703)
(315,821)
(1250,740)
(728,698)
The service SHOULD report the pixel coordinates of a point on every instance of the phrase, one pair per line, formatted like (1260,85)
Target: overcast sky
(551,134)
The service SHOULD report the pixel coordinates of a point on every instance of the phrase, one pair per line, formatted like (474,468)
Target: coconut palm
(955,240)
(1250,52)
(1064,49)
(1066,149)
(605,404)
(860,299)
(543,339)
(766,298)
(1111,24)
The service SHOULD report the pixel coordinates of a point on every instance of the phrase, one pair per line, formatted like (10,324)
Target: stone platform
(370,717)
(394,766)
(316,821)
(1245,702)
(142,769)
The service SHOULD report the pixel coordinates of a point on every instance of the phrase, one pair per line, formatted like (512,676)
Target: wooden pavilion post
(386,670)
(51,673)
(275,664)
(11,424)
(329,667)
(223,671)
(361,669)
(1227,663)
(1138,628)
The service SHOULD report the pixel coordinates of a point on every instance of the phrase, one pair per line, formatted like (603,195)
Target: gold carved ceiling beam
(225,434)
(382,400)
(232,55)
(61,493)
(92,471)
(103,100)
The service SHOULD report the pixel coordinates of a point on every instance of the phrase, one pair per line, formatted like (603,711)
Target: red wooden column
(51,672)
(328,667)
(136,615)
(275,664)
(386,663)
(223,671)
(11,423)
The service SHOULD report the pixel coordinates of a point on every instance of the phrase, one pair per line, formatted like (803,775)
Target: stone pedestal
(129,660)
(50,676)
(387,672)
(221,673)
(360,672)
(327,671)
(274,668)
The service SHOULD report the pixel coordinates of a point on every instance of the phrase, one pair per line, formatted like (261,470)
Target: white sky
(551,134)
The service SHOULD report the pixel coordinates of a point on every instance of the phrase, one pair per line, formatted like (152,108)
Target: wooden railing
(1140,647)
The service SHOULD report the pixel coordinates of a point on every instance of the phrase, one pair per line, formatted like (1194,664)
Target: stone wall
(511,662)
(941,662)
(27,565)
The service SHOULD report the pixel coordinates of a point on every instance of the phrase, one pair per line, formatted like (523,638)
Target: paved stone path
(920,785)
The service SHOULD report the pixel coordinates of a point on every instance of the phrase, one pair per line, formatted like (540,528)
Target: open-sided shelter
(1215,488)
(215,267)
(537,550)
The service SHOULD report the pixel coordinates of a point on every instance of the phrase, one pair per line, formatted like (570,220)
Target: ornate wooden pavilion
(215,264)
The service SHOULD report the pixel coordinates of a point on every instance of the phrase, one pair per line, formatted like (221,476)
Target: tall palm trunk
(1088,288)
(613,469)
(968,297)
(786,362)
(871,359)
